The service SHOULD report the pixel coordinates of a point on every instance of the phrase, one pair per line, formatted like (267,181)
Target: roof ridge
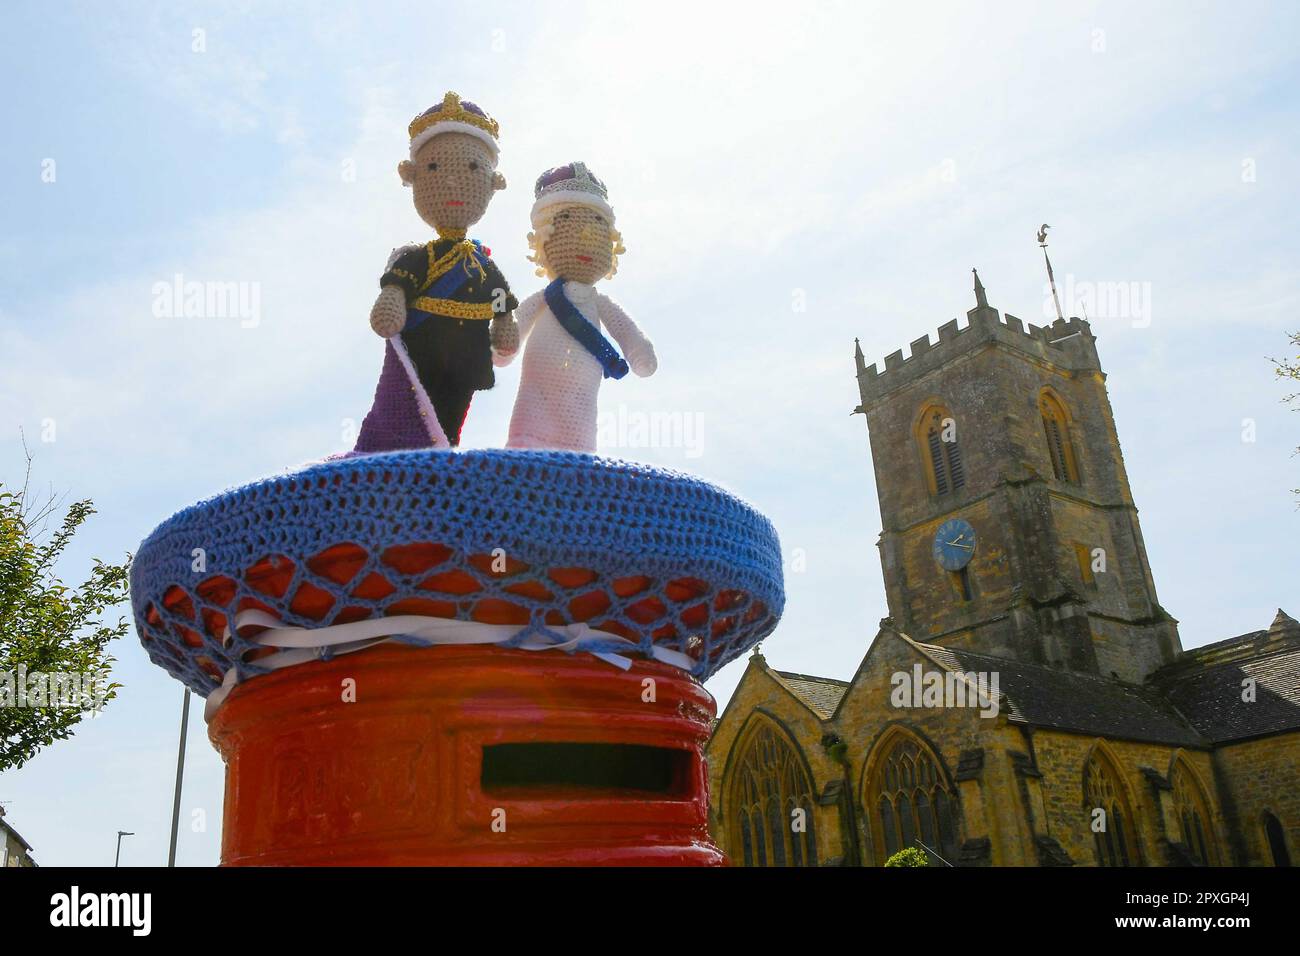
(1099,678)
(1025,706)
(1239,638)
(826,680)
(1209,657)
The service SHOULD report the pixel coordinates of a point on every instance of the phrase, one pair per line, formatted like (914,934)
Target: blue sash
(588,336)
(447,285)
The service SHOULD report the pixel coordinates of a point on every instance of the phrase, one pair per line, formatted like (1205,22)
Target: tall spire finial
(981,300)
(1051,279)
(859,359)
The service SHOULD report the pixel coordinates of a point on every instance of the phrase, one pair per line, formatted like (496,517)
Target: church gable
(898,682)
(821,694)
(947,744)
(762,688)
(770,775)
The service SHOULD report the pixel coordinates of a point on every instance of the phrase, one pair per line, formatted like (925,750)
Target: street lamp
(180,774)
(120,834)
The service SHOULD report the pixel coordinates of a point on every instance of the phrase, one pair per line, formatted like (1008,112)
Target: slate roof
(1206,685)
(1194,702)
(17,836)
(822,694)
(1065,700)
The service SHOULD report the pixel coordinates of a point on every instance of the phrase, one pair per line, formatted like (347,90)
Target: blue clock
(954,544)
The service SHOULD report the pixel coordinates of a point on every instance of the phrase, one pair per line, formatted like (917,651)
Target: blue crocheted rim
(678,562)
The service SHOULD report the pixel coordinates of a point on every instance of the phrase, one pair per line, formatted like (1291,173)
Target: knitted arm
(637,349)
(505,332)
(398,285)
(525,318)
(406,268)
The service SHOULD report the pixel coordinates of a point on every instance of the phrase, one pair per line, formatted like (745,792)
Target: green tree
(1289,368)
(909,856)
(48,628)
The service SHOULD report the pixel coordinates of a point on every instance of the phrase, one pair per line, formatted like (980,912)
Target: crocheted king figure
(444,306)
(566,355)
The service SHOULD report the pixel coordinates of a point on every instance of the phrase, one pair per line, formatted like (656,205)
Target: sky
(784,183)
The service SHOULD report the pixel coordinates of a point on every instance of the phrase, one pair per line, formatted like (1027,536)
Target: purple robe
(394,422)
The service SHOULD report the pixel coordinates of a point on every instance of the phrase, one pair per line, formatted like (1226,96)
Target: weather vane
(1051,279)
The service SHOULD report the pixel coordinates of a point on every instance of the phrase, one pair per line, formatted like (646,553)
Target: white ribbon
(300,644)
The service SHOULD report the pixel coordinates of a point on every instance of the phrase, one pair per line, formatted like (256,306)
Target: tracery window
(768,785)
(940,451)
(1276,837)
(1193,811)
(1112,830)
(1056,429)
(909,800)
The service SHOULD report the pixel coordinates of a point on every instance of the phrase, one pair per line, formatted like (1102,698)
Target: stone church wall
(1257,776)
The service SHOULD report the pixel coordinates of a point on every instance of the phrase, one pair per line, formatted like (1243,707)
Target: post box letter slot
(594,769)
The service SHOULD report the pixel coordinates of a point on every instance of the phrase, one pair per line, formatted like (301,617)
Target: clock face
(954,544)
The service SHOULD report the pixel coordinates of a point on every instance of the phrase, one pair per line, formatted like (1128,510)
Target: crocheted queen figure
(566,354)
(444,305)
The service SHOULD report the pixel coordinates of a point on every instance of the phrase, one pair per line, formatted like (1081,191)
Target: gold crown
(451,109)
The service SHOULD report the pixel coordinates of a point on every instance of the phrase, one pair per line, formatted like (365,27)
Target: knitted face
(580,246)
(452,178)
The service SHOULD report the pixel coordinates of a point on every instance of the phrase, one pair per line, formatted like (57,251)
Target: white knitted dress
(556,404)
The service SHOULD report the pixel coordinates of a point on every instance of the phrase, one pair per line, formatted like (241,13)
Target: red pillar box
(461,658)
(454,755)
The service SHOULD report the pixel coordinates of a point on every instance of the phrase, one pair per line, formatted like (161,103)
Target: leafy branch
(48,628)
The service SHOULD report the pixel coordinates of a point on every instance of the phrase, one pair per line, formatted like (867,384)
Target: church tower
(1007,523)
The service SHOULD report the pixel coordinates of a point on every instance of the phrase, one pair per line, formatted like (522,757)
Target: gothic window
(769,785)
(911,800)
(1112,829)
(961,583)
(746,839)
(1276,840)
(1056,429)
(1193,812)
(1083,554)
(940,451)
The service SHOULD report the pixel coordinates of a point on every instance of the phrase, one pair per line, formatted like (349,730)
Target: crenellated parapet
(1065,343)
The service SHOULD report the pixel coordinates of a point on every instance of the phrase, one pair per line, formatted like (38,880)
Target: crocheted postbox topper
(570,183)
(453,115)
(604,556)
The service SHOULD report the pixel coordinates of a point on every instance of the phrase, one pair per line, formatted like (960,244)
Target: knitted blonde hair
(544,227)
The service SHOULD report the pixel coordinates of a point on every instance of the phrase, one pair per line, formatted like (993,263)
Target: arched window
(1056,429)
(769,784)
(1112,827)
(1193,810)
(940,451)
(1276,840)
(910,798)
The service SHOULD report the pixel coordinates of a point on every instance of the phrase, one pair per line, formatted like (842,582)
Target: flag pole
(1051,279)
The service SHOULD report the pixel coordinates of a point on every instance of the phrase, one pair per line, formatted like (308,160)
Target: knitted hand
(505,334)
(642,361)
(388,316)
